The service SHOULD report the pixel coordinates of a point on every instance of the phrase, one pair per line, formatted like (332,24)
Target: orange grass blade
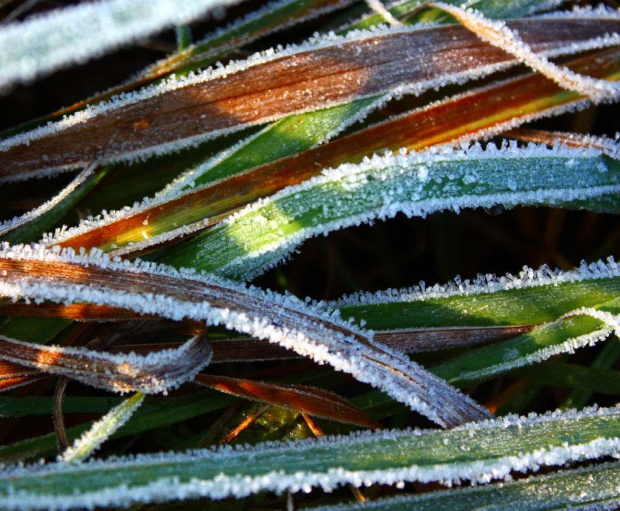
(310,400)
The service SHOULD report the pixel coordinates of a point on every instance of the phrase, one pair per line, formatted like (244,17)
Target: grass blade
(265,233)
(593,487)
(42,45)
(479,452)
(321,74)
(103,429)
(37,274)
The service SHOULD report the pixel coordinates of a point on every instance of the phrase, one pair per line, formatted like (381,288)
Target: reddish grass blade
(119,373)
(481,113)
(37,274)
(331,73)
(310,400)
(551,138)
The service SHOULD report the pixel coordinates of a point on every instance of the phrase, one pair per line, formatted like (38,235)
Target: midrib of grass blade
(479,452)
(480,113)
(263,234)
(593,487)
(323,74)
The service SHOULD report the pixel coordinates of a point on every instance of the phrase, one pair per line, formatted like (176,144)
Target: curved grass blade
(153,373)
(310,400)
(103,429)
(593,487)
(265,233)
(38,274)
(477,114)
(46,43)
(477,452)
(320,74)
(564,335)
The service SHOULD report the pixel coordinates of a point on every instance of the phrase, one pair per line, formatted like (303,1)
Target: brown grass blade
(551,138)
(119,373)
(37,274)
(481,113)
(329,73)
(310,400)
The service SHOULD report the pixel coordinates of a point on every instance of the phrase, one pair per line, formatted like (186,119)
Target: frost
(284,320)
(498,34)
(552,439)
(484,284)
(382,186)
(75,34)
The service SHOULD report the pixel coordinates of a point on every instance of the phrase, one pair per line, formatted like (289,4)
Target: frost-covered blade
(593,487)
(571,309)
(478,452)
(78,33)
(481,113)
(261,235)
(38,274)
(101,430)
(323,73)
(153,373)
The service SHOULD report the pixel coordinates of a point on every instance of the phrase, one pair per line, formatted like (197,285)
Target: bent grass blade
(37,274)
(153,373)
(310,400)
(321,74)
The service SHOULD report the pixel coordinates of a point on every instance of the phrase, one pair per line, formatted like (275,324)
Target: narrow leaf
(37,274)
(311,400)
(103,429)
(593,487)
(478,452)
(323,73)
(78,33)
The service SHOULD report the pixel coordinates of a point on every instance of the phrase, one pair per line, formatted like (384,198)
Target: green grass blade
(594,487)
(480,452)
(263,234)
(103,429)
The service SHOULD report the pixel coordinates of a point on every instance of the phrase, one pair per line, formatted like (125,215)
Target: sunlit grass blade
(34,273)
(265,233)
(153,373)
(593,487)
(477,114)
(529,298)
(480,452)
(78,33)
(310,400)
(320,74)
(103,429)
